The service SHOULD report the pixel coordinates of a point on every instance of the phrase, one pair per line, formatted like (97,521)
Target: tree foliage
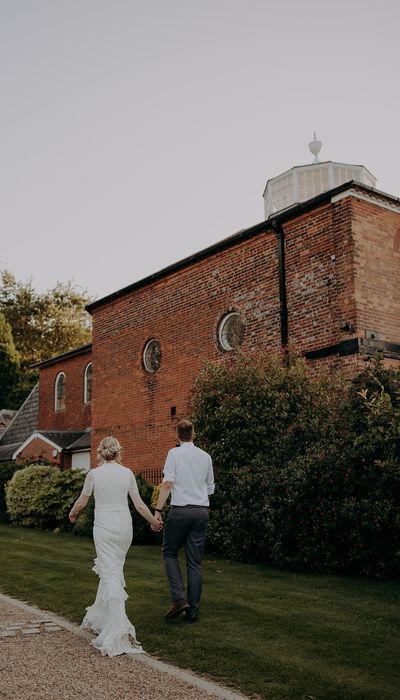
(42,325)
(9,365)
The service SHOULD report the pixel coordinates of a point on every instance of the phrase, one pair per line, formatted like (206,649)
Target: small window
(87,384)
(231,331)
(59,394)
(152,355)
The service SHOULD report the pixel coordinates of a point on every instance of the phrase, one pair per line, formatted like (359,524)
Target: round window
(231,331)
(152,355)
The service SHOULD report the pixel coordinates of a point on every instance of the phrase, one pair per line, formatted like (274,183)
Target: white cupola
(307,181)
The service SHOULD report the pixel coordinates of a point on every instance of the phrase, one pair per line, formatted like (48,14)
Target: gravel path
(43,656)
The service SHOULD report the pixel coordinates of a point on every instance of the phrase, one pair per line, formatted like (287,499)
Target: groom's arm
(165,490)
(167,484)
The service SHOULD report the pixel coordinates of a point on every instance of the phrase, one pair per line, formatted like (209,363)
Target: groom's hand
(158,516)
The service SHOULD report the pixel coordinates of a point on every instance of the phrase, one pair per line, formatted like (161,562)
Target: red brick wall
(319,277)
(376,234)
(183,311)
(76,415)
(39,448)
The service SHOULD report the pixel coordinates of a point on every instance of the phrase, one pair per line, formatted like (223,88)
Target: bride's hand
(157,525)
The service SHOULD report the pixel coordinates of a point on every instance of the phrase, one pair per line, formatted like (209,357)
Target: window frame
(146,346)
(88,367)
(58,408)
(224,345)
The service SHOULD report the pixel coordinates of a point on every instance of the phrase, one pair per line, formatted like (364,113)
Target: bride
(112,534)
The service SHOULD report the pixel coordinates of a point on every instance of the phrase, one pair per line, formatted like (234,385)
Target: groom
(189,478)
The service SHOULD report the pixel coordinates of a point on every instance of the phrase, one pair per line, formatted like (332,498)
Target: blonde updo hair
(109,449)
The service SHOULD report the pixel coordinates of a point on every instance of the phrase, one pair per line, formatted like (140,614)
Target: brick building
(319,275)
(57,428)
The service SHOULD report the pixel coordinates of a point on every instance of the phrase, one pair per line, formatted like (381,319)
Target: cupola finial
(315,147)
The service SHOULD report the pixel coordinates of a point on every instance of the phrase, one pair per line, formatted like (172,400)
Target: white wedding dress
(112,534)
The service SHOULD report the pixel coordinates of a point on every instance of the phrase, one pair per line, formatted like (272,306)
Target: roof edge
(43,435)
(243,234)
(81,350)
(33,436)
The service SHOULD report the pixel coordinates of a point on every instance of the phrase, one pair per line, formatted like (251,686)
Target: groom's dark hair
(184,430)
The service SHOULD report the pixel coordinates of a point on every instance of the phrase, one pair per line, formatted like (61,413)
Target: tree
(44,324)
(41,325)
(9,365)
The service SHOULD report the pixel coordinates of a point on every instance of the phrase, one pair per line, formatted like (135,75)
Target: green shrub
(7,470)
(260,405)
(339,514)
(307,469)
(41,496)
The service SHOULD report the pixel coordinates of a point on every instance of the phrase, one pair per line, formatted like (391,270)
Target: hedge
(7,470)
(41,496)
(307,468)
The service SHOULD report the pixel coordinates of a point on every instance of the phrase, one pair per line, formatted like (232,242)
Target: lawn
(266,632)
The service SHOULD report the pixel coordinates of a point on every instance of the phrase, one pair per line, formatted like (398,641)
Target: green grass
(264,631)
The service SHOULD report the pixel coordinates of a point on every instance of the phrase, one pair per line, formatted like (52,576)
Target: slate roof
(6,417)
(7,451)
(24,422)
(62,438)
(82,443)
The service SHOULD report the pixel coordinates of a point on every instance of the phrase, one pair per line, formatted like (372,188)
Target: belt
(190,506)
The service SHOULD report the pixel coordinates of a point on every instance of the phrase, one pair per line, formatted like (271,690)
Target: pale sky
(137,132)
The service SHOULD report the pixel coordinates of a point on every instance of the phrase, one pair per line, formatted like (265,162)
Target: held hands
(157,523)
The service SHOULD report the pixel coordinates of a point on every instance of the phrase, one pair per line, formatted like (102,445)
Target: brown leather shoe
(176,609)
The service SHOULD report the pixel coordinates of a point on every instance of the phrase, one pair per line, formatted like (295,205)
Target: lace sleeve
(133,489)
(87,489)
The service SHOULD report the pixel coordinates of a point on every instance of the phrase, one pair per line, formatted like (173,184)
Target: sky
(137,132)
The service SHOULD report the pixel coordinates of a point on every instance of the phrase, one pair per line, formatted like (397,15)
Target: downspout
(280,238)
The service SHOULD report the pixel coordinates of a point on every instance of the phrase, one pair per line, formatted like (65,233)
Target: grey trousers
(186,527)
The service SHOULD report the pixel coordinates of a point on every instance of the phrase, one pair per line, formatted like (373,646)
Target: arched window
(87,384)
(59,393)
(231,331)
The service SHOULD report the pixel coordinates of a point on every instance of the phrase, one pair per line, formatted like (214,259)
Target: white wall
(81,460)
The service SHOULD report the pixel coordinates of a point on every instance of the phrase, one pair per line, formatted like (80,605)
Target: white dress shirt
(191,472)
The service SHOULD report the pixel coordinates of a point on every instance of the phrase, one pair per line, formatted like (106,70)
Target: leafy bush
(7,470)
(256,405)
(41,496)
(307,470)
